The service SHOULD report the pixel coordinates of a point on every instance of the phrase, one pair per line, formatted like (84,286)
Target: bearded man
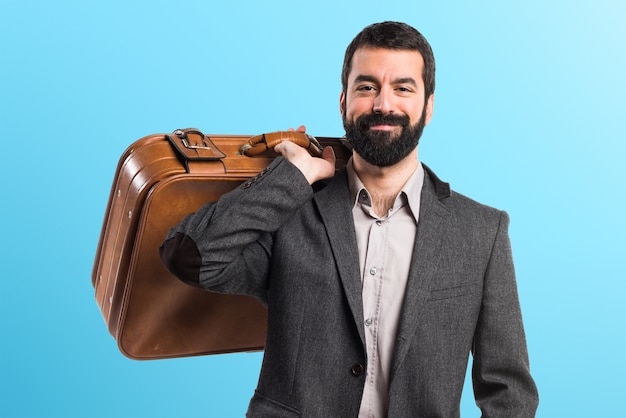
(379,280)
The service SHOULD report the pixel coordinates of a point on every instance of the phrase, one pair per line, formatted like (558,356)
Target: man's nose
(382,102)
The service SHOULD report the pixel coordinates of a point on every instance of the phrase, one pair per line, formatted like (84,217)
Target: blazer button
(357,369)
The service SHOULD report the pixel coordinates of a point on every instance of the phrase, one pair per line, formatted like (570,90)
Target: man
(379,280)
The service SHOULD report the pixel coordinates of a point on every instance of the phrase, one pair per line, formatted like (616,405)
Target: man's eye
(365,88)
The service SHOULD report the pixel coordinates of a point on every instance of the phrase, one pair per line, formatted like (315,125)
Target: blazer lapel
(432,218)
(333,204)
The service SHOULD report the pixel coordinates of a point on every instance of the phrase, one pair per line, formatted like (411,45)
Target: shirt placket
(372,296)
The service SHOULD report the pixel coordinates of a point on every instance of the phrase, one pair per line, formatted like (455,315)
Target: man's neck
(384,183)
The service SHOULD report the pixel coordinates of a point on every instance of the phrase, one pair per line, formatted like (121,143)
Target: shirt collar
(410,192)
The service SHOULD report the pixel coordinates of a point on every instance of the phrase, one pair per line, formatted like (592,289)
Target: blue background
(529,117)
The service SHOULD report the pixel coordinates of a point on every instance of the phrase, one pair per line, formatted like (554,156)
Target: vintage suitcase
(160,179)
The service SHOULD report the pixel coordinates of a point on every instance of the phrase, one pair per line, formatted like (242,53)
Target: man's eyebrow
(365,78)
(405,80)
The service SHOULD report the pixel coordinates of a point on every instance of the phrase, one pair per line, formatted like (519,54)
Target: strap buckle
(184,137)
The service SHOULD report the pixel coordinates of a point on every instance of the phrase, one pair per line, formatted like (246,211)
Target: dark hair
(392,35)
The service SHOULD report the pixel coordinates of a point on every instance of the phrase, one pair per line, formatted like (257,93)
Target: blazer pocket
(260,406)
(454,292)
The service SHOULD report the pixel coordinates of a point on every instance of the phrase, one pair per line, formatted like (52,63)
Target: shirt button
(368,322)
(373,271)
(356,369)
(379,223)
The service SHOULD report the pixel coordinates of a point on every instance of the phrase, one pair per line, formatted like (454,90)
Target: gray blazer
(293,246)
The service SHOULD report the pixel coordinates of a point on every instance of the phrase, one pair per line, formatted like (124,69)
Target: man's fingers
(301,128)
(288,148)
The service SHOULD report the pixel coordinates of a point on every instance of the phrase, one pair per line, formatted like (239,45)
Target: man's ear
(342,103)
(430,108)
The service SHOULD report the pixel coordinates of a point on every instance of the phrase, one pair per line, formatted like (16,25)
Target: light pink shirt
(385,247)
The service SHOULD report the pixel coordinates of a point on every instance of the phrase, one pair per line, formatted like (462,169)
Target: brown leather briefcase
(160,179)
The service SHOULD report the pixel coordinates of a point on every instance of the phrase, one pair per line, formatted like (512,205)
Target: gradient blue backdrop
(529,117)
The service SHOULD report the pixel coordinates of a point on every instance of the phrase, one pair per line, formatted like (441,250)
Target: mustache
(372,119)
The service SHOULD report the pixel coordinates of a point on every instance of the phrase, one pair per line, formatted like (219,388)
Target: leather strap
(192,146)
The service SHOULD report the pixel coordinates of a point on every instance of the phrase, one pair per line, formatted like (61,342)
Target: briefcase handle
(261,143)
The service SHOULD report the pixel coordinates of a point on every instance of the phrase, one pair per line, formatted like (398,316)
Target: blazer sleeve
(503,386)
(226,245)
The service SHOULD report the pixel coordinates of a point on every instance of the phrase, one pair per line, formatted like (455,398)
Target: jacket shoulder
(456,202)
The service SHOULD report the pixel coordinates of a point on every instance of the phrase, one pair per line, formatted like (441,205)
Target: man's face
(383,108)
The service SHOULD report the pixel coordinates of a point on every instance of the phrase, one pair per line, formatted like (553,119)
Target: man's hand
(314,169)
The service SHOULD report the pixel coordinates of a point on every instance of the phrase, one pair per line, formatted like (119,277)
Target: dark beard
(383,148)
